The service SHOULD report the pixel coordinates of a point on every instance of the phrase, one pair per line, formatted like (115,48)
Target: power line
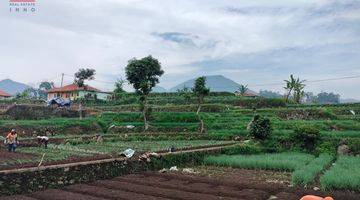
(255,85)
(309,81)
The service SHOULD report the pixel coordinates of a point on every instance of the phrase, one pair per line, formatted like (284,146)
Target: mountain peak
(216,83)
(12,87)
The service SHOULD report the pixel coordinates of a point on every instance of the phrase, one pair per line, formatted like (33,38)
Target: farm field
(63,153)
(282,158)
(153,185)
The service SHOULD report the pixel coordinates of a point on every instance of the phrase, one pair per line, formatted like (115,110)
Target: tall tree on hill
(290,84)
(243,89)
(46,85)
(296,86)
(200,90)
(119,88)
(144,74)
(43,87)
(84,74)
(80,77)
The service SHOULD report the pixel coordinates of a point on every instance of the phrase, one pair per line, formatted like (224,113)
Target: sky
(254,42)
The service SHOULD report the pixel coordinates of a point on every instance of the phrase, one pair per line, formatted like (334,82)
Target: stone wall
(33,179)
(33,112)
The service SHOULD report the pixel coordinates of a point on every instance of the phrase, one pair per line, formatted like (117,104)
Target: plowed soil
(154,185)
(6,156)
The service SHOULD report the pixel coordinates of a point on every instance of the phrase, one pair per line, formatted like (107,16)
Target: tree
(296,86)
(80,77)
(119,90)
(243,89)
(186,93)
(299,91)
(200,90)
(43,87)
(119,86)
(324,97)
(290,84)
(84,74)
(143,74)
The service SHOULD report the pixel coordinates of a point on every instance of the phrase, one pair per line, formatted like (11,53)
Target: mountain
(349,101)
(158,89)
(12,87)
(217,83)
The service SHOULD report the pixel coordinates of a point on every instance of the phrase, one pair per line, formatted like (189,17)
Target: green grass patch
(344,174)
(287,161)
(307,174)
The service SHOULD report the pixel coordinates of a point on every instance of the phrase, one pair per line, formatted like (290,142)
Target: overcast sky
(250,41)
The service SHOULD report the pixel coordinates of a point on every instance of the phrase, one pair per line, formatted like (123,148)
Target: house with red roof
(73,92)
(4,95)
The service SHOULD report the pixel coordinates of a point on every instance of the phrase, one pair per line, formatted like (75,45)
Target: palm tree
(243,89)
(299,90)
(290,84)
(296,86)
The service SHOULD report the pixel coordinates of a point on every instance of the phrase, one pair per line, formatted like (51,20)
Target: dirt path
(154,185)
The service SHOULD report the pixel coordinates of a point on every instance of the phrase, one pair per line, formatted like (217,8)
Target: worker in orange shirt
(12,141)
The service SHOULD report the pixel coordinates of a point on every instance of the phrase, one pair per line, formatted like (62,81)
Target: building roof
(73,87)
(4,94)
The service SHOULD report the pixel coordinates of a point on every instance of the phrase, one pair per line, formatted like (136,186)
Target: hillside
(12,87)
(158,89)
(217,83)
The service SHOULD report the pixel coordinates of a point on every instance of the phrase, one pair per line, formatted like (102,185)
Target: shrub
(260,127)
(328,147)
(306,136)
(354,145)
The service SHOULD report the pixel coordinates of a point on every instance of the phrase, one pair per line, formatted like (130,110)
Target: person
(43,140)
(12,141)
(313,197)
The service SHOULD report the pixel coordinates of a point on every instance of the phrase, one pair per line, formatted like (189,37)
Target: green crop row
(344,174)
(287,161)
(306,175)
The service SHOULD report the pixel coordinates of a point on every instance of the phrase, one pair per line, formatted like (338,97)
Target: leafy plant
(307,136)
(260,127)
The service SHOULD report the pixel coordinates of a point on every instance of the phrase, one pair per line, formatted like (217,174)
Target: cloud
(250,41)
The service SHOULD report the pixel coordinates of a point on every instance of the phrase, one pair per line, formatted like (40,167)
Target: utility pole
(62,79)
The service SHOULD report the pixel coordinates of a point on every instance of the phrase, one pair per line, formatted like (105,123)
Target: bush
(306,136)
(260,127)
(354,145)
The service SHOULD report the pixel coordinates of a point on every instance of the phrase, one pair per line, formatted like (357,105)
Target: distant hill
(12,87)
(158,89)
(349,101)
(217,83)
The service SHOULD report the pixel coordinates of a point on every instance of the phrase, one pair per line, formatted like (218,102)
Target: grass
(288,161)
(306,175)
(344,174)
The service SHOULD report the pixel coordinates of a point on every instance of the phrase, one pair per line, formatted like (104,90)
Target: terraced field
(153,185)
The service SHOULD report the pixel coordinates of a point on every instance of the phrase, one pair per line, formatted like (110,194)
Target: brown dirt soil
(154,185)
(6,156)
(71,159)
